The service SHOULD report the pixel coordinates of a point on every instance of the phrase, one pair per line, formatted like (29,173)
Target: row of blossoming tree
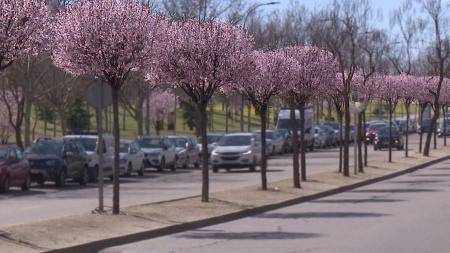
(113,39)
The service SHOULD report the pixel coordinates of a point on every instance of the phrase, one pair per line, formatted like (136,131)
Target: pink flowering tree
(200,58)
(108,39)
(445,101)
(391,91)
(425,99)
(272,72)
(161,105)
(316,69)
(8,114)
(22,29)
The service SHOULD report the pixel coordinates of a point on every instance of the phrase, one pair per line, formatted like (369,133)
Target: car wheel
(174,165)
(253,166)
(27,183)
(40,181)
(162,166)
(215,169)
(84,179)
(6,184)
(129,169)
(61,179)
(141,170)
(93,174)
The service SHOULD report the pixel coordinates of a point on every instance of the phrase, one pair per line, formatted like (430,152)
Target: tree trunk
(422,109)
(435,136)
(294,143)
(140,121)
(147,113)
(241,114)
(359,142)
(54,127)
(45,127)
(226,116)
(341,125)
(33,132)
(27,121)
(62,117)
(346,165)
(116,164)
(444,123)
(390,130)
(407,107)
(124,120)
(107,120)
(302,141)
(201,108)
(263,115)
(426,148)
(365,142)
(249,118)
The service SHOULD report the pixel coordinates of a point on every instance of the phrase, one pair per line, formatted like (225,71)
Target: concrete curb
(97,246)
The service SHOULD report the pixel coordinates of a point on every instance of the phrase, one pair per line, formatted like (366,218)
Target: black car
(382,139)
(57,160)
(424,126)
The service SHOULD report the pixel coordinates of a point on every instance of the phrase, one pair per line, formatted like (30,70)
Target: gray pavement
(410,213)
(44,202)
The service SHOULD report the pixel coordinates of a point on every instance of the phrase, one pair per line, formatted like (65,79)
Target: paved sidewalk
(150,220)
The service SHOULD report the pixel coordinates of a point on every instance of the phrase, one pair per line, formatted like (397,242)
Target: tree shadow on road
(320,215)
(431,175)
(20,193)
(417,181)
(410,190)
(355,201)
(221,235)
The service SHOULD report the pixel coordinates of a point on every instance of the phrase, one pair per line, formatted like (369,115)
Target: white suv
(90,144)
(239,150)
(160,152)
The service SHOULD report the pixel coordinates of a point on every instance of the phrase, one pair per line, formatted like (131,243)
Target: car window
(12,154)
(19,154)
(236,140)
(45,148)
(151,143)
(124,147)
(3,153)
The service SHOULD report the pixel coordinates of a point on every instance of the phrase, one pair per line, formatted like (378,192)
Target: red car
(14,169)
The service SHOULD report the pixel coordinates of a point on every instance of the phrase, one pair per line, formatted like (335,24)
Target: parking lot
(48,201)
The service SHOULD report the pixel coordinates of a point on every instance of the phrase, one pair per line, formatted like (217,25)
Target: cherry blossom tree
(272,72)
(22,29)
(391,91)
(108,39)
(8,112)
(161,105)
(200,58)
(316,70)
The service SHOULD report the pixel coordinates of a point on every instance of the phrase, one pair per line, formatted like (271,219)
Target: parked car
(336,128)
(284,122)
(160,152)
(187,151)
(320,137)
(58,160)
(212,140)
(131,158)
(332,137)
(274,141)
(441,128)
(14,169)
(287,141)
(90,144)
(372,130)
(424,126)
(382,139)
(239,150)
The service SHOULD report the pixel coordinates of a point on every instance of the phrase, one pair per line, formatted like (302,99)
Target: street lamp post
(250,11)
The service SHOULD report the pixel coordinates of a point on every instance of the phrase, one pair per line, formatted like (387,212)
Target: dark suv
(57,160)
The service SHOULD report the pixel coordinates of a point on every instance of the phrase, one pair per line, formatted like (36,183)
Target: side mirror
(68,154)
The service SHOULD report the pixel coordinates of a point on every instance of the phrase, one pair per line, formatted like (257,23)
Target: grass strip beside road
(93,232)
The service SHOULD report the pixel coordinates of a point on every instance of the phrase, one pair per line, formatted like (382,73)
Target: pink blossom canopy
(22,28)
(107,38)
(202,57)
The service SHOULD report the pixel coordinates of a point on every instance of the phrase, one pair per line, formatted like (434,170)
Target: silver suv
(239,150)
(159,152)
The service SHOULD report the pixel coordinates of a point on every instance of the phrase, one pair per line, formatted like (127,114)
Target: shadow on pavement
(344,201)
(441,168)
(252,172)
(411,190)
(431,175)
(417,181)
(320,215)
(249,235)
(19,193)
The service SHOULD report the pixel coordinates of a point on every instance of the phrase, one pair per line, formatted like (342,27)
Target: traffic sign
(99,94)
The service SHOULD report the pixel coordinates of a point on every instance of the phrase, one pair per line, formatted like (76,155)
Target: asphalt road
(44,202)
(410,213)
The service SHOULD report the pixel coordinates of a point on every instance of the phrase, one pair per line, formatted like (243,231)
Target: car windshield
(377,126)
(89,144)
(426,122)
(385,132)
(269,135)
(45,148)
(124,147)
(151,143)
(211,139)
(180,142)
(236,140)
(286,124)
(3,153)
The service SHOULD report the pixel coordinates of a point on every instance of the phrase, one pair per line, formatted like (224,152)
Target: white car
(90,144)
(187,151)
(160,152)
(131,158)
(239,150)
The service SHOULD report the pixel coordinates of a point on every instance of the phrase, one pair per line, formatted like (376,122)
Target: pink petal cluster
(161,104)
(22,29)
(107,38)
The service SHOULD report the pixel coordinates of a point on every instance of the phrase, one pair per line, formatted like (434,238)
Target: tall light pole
(250,11)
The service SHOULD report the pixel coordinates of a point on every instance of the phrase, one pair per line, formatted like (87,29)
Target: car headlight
(214,152)
(247,152)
